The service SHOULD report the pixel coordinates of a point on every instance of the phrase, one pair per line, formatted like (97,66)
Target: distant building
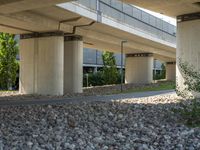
(92,61)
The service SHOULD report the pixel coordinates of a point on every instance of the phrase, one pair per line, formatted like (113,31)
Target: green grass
(160,87)
(6,91)
(156,87)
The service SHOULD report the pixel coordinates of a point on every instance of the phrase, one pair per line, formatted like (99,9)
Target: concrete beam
(168,7)
(37,23)
(106,38)
(13,6)
(31,22)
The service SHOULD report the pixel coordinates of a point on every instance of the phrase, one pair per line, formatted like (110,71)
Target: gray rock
(143,123)
(1,145)
(69,146)
(29,143)
(98,140)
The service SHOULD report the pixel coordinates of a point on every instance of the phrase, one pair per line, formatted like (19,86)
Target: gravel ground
(141,124)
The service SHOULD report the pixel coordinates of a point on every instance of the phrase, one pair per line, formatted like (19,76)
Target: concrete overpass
(187,13)
(53,36)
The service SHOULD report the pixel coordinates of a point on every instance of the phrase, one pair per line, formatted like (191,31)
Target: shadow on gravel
(97,125)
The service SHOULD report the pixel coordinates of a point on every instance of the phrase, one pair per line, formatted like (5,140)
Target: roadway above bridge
(171,8)
(13,6)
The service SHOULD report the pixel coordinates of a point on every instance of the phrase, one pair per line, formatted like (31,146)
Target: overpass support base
(139,68)
(73,64)
(50,64)
(41,65)
(171,71)
(188,50)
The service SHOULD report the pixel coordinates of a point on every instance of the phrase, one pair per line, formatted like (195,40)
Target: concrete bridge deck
(22,17)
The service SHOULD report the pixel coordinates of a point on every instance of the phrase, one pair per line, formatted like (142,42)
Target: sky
(163,17)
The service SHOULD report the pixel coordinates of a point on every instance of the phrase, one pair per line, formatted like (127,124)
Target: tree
(161,75)
(8,62)
(163,71)
(110,73)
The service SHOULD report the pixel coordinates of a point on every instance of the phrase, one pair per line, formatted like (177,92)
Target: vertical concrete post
(41,64)
(188,47)
(171,71)
(27,76)
(139,68)
(73,60)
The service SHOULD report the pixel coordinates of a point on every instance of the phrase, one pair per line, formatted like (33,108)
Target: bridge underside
(95,35)
(52,41)
(171,8)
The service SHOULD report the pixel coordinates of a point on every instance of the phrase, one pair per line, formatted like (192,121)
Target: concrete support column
(171,71)
(41,64)
(139,68)
(73,64)
(188,46)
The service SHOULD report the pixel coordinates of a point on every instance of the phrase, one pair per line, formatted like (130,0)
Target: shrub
(94,79)
(97,79)
(161,75)
(110,72)
(190,114)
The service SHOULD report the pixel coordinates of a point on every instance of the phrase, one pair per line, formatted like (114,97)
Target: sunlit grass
(157,87)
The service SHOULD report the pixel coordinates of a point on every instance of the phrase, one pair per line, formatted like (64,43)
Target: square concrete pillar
(188,48)
(139,68)
(73,64)
(42,65)
(171,71)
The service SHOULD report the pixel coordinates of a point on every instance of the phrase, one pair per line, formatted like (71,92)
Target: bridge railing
(134,18)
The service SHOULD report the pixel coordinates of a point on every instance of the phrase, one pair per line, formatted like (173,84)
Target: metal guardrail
(134,17)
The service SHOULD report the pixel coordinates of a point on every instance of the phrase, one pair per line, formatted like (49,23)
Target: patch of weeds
(190,114)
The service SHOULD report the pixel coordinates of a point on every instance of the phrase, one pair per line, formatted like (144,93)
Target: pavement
(98,98)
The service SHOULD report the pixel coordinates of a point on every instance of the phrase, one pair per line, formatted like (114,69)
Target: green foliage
(152,87)
(191,77)
(108,75)
(110,72)
(94,79)
(97,79)
(190,114)
(162,75)
(8,62)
